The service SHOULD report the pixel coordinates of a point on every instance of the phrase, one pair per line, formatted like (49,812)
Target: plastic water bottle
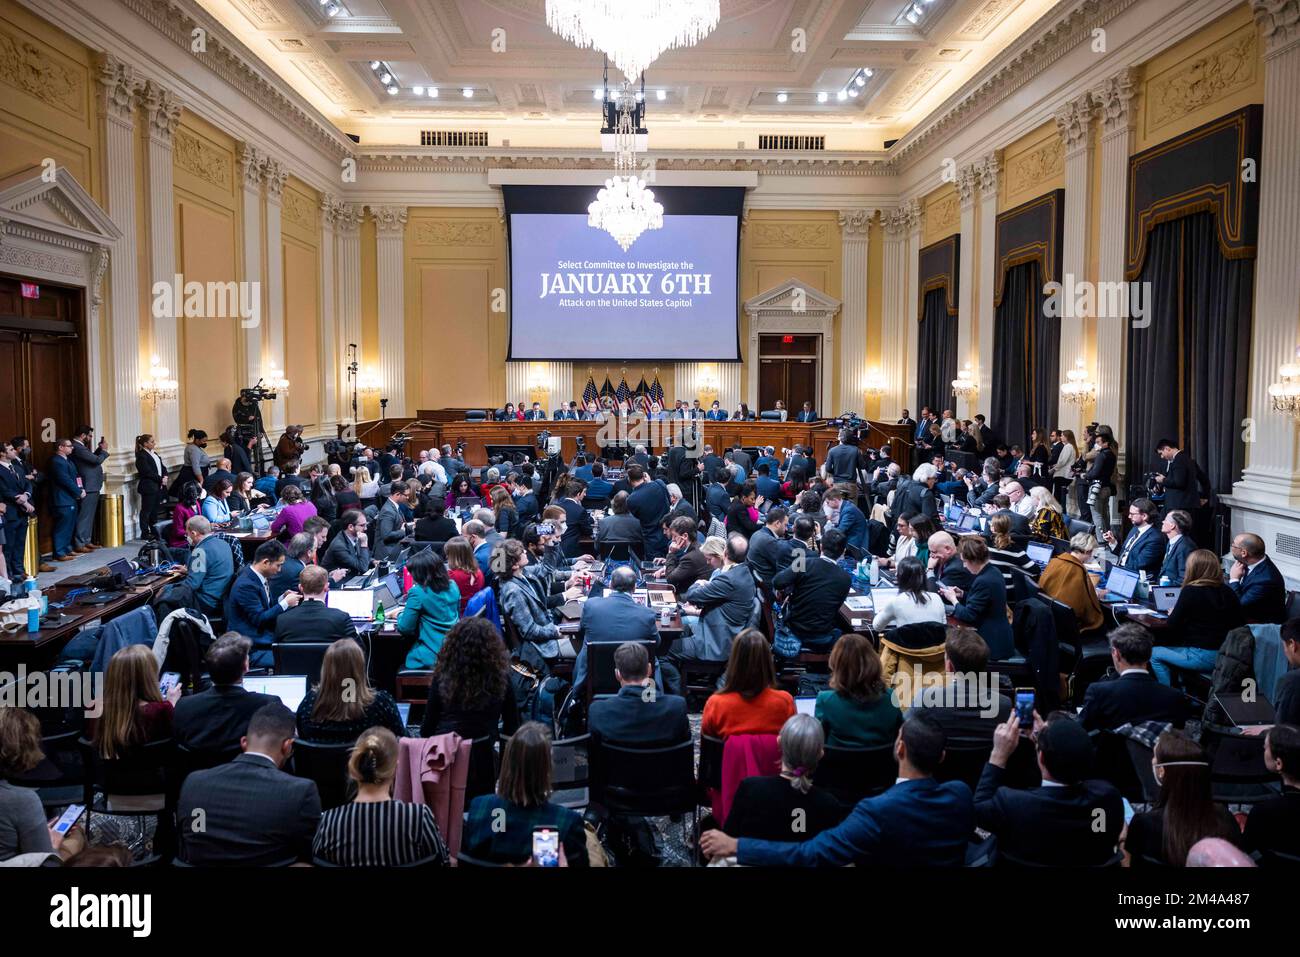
(862,576)
(33,616)
(41,599)
(1164,581)
(875,571)
(29,585)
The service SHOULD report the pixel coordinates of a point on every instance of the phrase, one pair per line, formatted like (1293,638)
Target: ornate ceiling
(532,85)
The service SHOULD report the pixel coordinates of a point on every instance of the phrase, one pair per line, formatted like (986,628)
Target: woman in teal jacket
(432,607)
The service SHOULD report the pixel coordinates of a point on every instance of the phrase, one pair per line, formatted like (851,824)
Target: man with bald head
(1260,587)
(946,567)
(1216,852)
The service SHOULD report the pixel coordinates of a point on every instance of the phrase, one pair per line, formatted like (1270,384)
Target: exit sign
(30,290)
(787,339)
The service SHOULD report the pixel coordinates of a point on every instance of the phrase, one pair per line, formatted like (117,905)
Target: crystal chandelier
(633,34)
(965,386)
(1078,390)
(625,208)
(1286,393)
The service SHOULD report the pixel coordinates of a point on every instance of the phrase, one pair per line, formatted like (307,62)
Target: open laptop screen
(1122,582)
(359,603)
(290,689)
(1039,553)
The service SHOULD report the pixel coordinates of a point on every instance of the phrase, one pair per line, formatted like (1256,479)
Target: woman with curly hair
(470,691)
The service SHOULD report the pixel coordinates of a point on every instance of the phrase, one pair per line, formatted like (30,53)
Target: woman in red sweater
(749,702)
(463,569)
(135,711)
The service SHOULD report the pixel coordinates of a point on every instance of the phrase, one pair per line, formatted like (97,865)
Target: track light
(842,95)
(374,64)
(385,78)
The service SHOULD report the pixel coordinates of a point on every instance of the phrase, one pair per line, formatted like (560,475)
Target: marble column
(893,308)
(967,181)
(1074,121)
(274,176)
(162,112)
(348,225)
(251,163)
(1267,499)
(911,307)
(390,228)
(1118,113)
(987,170)
(119,87)
(329,325)
(855,226)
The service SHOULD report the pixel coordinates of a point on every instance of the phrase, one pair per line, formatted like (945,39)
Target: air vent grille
(453,138)
(779,141)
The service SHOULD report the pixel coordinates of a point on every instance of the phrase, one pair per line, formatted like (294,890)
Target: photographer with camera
(1100,481)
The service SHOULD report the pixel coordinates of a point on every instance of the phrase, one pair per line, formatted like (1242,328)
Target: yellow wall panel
(452,305)
(206,252)
(1031,166)
(302,331)
(941,212)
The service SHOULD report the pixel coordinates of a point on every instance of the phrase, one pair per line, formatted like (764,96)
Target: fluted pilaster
(251,163)
(855,226)
(987,170)
(390,229)
(1074,121)
(967,183)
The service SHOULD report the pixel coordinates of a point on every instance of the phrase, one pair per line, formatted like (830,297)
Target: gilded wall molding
(1027,170)
(1211,76)
(428,232)
(298,209)
(202,159)
(771,235)
(1114,99)
(35,70)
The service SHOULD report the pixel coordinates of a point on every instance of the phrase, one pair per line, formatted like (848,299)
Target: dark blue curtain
(1026,358)
(936,353)
(1188,370)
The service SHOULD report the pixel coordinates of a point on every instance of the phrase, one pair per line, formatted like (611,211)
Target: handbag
(13,615)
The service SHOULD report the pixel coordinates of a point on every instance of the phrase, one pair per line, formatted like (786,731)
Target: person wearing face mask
(1184,813)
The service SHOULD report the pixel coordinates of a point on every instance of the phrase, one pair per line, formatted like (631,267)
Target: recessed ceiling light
(374,64)
(597,95)
(661,95)
(433,92)
(467,92)
(868,72)
(823,96)
(842,95)
(861,80)
(392,91)
(385,78)
(418,90)
(782,97)
(332,10)
(853,93)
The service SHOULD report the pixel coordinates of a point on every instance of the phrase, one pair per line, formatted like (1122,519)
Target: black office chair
(300,658)
(710,767)
(570,771)
(482,777)
(1238,774)
(617,551)
(598,504)
(771,415)
(58,779)
(854,773)
(327,765)
(134,785)
(645,782)
(1011,860)
(476,415)
(188,760)
(601,680)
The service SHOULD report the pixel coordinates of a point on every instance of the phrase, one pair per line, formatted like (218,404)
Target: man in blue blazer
(983,603)
(65,495)
(716,413)
(916,823)
(1144,546)
(806,414)
(1260,587)
(614,619)
(848,518)
(1176,528)
(250,608)
(16,493)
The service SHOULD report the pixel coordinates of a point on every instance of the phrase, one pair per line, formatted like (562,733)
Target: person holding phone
(24,828)
(136,711)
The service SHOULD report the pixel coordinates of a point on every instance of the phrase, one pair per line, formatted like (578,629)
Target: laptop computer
(1165,597)
(359,603)
(393,582)
(1243,713)
(290,689)
(121,567)
(881,596)
(954,513)
(805,704)
(969,522)
(1039,553)
(1121,584)
(468,501)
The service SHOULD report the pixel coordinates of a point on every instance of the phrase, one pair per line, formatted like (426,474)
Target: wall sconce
(1078,389)
(875,385)
(965,385)
(275,380)
(158,386)
(1286,392)
(368,383)
(707,389)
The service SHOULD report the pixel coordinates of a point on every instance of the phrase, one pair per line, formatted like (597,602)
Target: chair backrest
(185,761)
(916,636)
(475,415)
(327,765)
(142,771)
(569,762)
(413,686)
(617,551)
(466,861)
(1292,605)
(600,665)
(711,762)
(1067,625)
(963,764)
(598,503)
(854,773)
(300,658)
(1077,526)
(482,768)
(771,415)
(643,781)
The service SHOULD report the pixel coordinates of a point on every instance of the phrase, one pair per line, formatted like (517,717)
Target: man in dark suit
(90,468)
(349,549)
(649,504)
(848,518)
(806,414)
(918,822)
(983,603)
(577,520)
(613,619)
(685,564)
(251,609)
(741,458)
(312,619)
(249,812)
(968,706)
(1274,824)
(1144,546)
(716,498)
(639,715)
(525,501)
(1135,695)
(1185,483)
(946,567)
(215,719)
(817,586)
(769,552)
(1176,527)
(16,493)
(1260,587)
(711,460)
(716,413)
(1056,824)
(906,419)
(844,460)
(1000,505)
(65,495)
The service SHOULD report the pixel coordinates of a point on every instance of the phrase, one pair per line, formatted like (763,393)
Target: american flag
(642,388)
(657,390)
(608,388)
(589,393)
(623,394)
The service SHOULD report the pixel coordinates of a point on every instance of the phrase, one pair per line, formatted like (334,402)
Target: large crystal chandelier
(633,33)
(625,208)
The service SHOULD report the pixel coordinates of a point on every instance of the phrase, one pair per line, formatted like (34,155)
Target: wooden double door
(789,369)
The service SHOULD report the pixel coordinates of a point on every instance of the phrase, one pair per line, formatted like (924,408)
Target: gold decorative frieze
(201,158)
(1026,171)
(439,232)
(1213,75)
(39,72)
(298,209)
(790,235)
